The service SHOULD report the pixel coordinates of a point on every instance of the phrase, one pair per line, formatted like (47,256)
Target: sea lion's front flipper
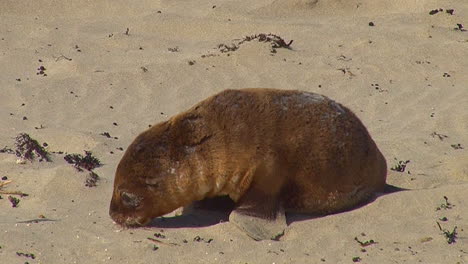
(259,213)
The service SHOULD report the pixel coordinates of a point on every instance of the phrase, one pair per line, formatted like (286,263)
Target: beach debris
(460,27)
(4,182)
(227,48)
(400,166)
(80,162)
(159,235)
(127,31)
(191,62)
(39,219)
(161,242)
(87,162)
(275,41)
(106,134)
(435,11)
(343,58)
(200,239)
(440,136)
(451,236)
(27,148)
(377,87)
(28,255)
(21,194)
(91,179)
(356,259)
(175,49)
(41,71)
(346,70)
(426,239)
(7,150)
(371,24)
(446,205)
(365,243)
(14,201)
(456,146)
(61,57)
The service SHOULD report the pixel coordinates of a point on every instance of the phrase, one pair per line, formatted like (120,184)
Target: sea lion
(269,150)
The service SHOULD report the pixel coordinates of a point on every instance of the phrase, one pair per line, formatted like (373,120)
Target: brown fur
(304,150)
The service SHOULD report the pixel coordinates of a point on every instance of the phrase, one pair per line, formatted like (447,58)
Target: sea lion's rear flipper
(260,228)
(259,215)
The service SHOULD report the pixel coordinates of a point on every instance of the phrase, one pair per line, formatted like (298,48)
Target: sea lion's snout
(125,209)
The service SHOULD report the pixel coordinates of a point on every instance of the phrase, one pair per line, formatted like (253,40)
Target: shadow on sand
(216,210)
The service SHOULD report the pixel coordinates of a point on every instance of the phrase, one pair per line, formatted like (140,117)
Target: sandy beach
(91,75)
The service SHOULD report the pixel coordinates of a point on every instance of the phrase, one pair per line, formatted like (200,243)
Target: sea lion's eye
(153,182)
(130,199)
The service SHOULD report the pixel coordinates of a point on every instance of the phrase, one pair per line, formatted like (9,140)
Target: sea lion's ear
(193,131)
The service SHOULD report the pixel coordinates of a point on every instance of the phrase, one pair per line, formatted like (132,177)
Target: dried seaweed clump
(7,150)
(275,41)
(91,179)
(451,236)
(27,148)
(80,162)
(400,166)
(14,201)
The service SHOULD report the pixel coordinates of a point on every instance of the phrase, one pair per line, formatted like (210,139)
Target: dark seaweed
(91,179)
(80,162)
(27,148)
(275,41)
(14,201)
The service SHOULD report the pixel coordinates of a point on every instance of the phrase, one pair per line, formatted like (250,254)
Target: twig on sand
(3,183)
(36,220)
(365,243)
(62,57)
(21,194)
(161,242)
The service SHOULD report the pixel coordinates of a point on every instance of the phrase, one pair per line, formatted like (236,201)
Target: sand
(406,77)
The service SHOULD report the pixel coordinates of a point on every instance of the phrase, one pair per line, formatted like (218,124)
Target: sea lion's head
(145,181)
